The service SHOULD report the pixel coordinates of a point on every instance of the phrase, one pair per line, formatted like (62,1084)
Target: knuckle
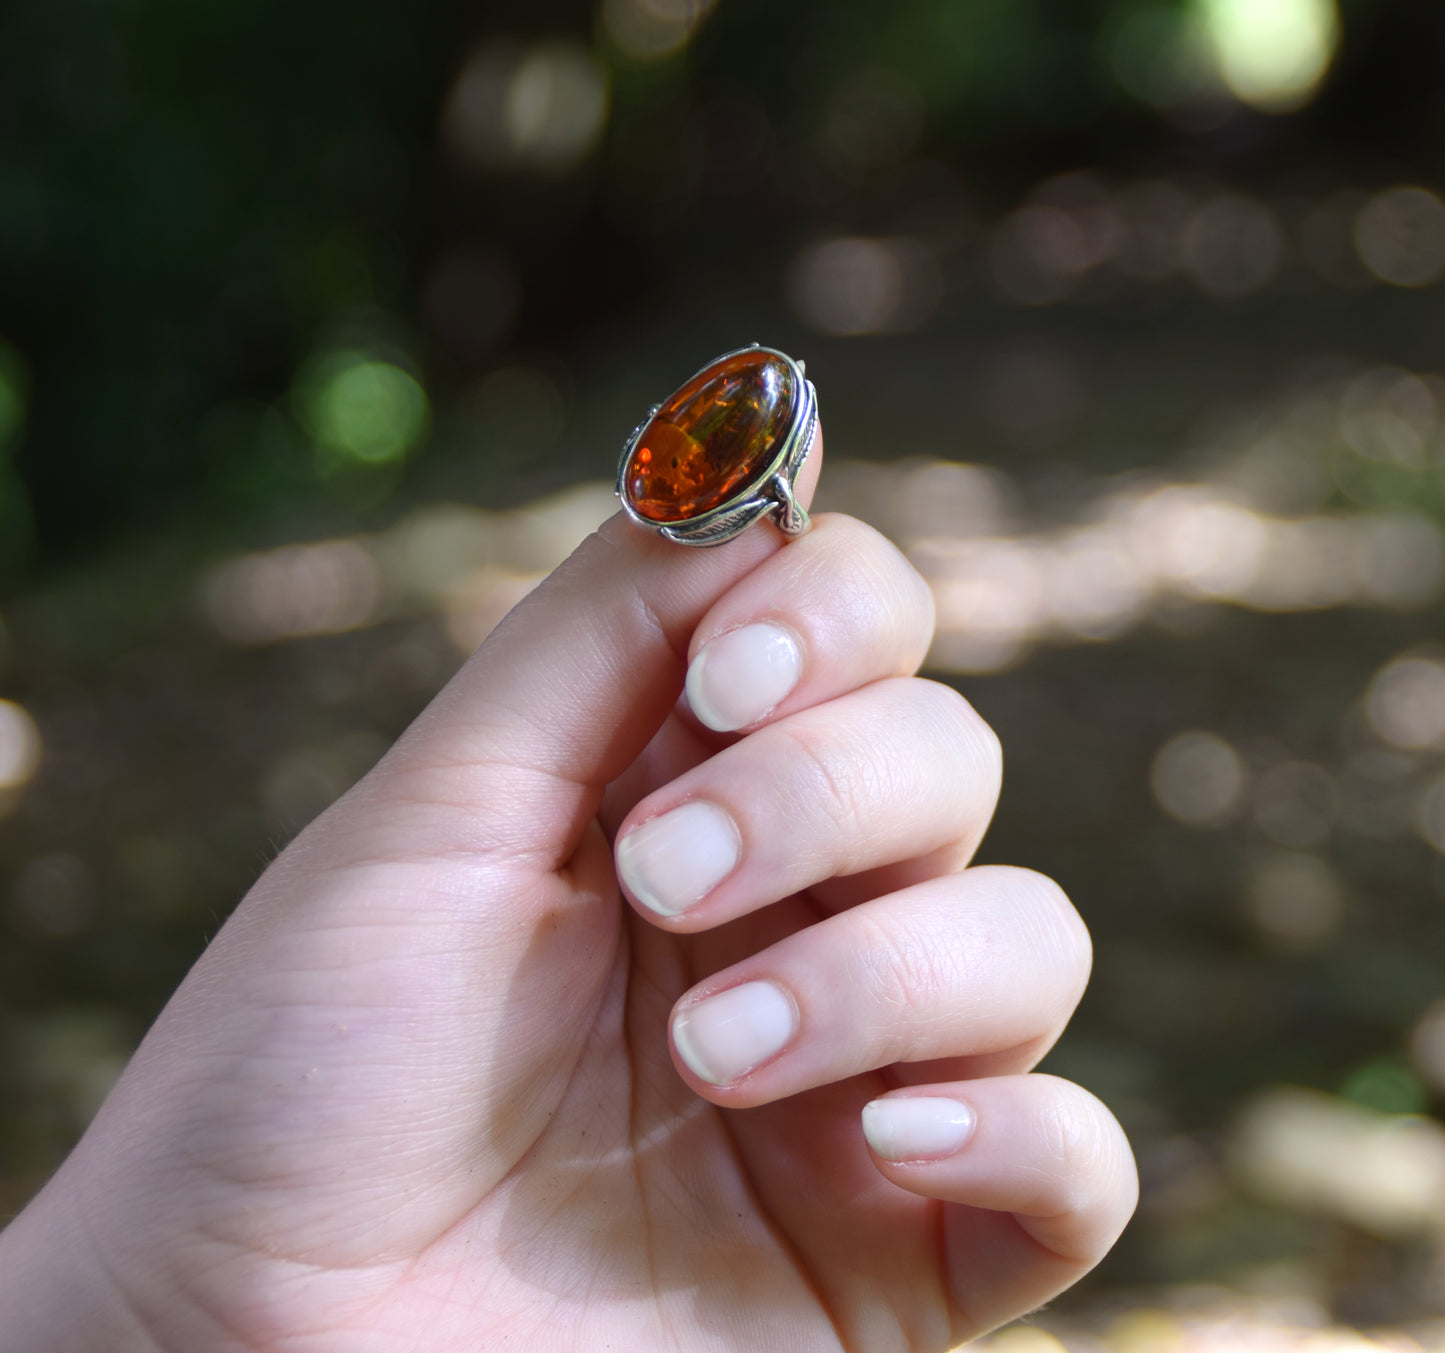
(901,971)
(847,566)
(828,781)
(866,576)
(848,536)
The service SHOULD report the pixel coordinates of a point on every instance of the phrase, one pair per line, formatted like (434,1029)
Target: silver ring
(723,450)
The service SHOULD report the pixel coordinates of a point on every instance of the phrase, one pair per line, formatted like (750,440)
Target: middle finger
(900,769)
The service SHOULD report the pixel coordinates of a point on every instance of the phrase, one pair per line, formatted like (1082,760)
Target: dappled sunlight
(1183,543)
(1318,1153)
(1137,552)
(468,565)
(1134,552)
(326,588)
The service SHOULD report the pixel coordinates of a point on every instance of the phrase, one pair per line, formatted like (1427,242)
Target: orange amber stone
(712,439)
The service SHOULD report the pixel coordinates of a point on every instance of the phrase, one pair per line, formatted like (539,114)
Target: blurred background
(321,325)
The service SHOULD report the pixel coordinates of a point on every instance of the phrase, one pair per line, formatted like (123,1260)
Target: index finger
(570,687)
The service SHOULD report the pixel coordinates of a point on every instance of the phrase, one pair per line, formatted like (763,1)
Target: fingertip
(738,678)
(1038,1147)
(907,1128)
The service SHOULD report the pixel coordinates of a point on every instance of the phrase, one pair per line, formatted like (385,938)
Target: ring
(723,450)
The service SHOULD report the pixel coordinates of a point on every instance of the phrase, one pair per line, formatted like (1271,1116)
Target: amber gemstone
(712,439)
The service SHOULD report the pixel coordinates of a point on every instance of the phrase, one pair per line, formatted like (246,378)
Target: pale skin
(441,1081)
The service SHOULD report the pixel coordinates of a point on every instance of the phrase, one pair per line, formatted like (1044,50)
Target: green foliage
(1388,1085)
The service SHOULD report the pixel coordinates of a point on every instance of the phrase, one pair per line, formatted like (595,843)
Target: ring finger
(982,968)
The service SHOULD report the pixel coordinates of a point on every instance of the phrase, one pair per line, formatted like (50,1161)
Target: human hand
(418,1094)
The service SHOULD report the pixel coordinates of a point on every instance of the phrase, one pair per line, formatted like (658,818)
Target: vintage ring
(723,451)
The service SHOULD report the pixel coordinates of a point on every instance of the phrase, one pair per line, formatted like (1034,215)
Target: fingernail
(679,858)
(727,1035)
(740,677)
(916,1127)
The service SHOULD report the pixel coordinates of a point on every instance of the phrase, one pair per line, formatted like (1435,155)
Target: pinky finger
(1040,1174)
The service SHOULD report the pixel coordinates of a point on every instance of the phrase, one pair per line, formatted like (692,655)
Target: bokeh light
(1388,414)
(1232,246)
(362,410)
(541,108)
(1025,1339)
(1039,253)
(1272,54)
(1400,234)
(646,30)
(1095,587)
(19,746)
(864,286)
(1405,702)
(1295,899)
(991,599)
(1320,1154)
(326,588)
(478,603)
(1200,542)
(1427,1045)
(1198,779)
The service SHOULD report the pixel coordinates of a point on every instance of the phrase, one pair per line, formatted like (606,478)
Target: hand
(418,1094)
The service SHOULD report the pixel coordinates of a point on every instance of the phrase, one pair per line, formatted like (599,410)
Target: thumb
(386,1007)
(568,690)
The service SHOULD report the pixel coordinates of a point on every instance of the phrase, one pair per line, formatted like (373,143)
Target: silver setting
(770,493)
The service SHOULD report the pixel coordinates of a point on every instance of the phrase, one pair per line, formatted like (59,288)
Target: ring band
(723,450)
